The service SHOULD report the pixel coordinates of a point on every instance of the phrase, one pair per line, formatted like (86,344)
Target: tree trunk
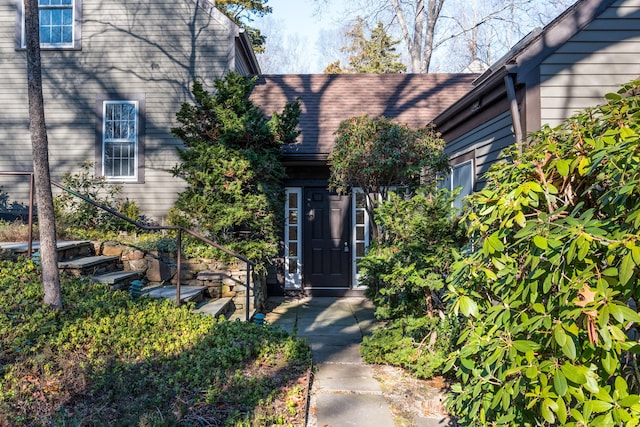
(40,148)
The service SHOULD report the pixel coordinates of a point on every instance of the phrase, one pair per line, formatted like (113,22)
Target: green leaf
(621,387)
(599,406)
(609,363)
(545,409)
(629,401)
(495,243)
(540,241)
(538,308)
(575,374)
(562,165)
(561,412)
(569,348)
(560,383)
(520,219)
(627,267)
(468,307)
(524,345)
(559,335)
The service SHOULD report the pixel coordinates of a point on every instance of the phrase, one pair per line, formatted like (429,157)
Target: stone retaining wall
(161,268)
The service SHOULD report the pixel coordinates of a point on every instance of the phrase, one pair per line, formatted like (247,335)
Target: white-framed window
(293,238)
(361,232)
(60,24)
(120,131)
(461,177)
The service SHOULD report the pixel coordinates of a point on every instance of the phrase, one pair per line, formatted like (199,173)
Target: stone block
(112,249)
(157,270)
(138,264)
(133,255)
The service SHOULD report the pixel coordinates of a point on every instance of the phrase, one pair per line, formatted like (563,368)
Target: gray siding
(592,63)
(149,48)
(488,140)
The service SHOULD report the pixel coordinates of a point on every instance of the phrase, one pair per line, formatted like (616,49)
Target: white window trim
(293,280)
(473,177)
(354,241)
(76,38)
(136,142)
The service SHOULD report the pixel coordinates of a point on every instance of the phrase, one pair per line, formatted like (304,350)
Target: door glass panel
(292,270)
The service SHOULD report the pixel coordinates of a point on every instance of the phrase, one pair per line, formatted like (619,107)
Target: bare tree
(282,54)
(40,147)
(478,30)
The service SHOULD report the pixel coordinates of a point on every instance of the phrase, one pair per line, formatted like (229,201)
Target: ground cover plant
(405,272)
(550,293)
(107,359)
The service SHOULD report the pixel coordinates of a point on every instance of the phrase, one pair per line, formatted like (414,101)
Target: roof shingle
(328,99)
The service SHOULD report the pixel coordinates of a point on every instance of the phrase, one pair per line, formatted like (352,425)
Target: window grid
(120,139)
(360,231)
(293,238)
(56,22)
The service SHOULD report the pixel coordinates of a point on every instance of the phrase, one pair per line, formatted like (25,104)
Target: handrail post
(179,269)
(30,231)
(248,299)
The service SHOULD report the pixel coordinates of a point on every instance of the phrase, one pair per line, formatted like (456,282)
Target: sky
(297,17)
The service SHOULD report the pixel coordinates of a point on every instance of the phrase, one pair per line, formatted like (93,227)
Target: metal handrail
(179,229)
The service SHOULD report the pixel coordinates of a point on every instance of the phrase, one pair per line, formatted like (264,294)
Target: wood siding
(592,63)
(488,140)
(152,49)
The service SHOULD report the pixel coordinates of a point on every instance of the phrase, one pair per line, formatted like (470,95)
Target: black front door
(327,247)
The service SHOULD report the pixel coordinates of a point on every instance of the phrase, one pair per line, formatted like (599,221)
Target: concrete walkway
(343,390)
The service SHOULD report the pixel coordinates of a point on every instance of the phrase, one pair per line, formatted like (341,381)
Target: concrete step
(90,265)
(187,292)
(118,279)
(216,308)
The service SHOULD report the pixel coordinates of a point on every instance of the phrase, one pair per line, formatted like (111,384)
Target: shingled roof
(328,99)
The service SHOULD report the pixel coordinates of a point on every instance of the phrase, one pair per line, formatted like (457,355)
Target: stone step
(216,308)
(66,248)
(118,279)
(241,315)
(187,292)
(90,265)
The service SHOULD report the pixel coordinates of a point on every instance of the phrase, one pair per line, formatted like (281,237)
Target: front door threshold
(316,291)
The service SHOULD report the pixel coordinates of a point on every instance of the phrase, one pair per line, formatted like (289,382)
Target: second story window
(59,24)
(56,22)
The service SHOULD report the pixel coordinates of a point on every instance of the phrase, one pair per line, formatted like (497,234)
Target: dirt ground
(411,398)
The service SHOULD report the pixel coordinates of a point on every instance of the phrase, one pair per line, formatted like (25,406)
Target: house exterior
(114,75)
(326,233)
(588,51)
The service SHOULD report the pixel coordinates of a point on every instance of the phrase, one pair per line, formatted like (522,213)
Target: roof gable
(328,99)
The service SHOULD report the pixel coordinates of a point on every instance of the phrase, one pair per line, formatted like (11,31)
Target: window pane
(360,200)
(45,18)
(67,18)
(293,249)
(293,200)
(56,21)
(120,138)
(359,217)
(293,265)
(293,217)
(293,233)
(360,249)
(359,233)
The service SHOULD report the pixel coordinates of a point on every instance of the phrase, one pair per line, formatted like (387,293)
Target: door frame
(359,238)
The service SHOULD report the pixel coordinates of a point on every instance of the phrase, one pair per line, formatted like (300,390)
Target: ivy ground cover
(109,360)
